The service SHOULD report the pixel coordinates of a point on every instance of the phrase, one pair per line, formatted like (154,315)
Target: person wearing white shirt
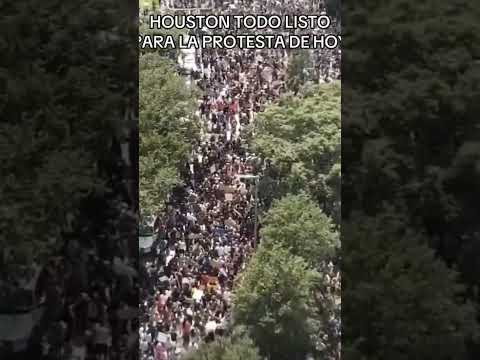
(210,326)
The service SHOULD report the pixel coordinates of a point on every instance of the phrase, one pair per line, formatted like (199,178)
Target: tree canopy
(167,127)
(411,142)
(60,118)
(272,301)
(298,224)
(231,348)
(404,303)
(300,136)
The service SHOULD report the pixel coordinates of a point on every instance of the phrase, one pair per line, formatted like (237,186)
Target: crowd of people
(328,296)
(82,302)
(209,228)
(326,62)
(90,295)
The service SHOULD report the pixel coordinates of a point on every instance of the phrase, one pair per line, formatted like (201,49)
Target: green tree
(167,130)
(272,301)
(59,117)
(398,152)
(298,224)
(300,137)
(232,348)
(411,136)
(402,302)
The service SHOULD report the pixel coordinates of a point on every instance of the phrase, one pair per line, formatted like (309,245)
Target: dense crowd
(208,231)
(326,62)
(83,300)
(91,299)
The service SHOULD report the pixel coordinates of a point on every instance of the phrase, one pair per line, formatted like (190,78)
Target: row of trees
(168,129)
(284,297)
(410,230)
(288,297)
(285,306)
(300,140)
(63,118)
(287,300)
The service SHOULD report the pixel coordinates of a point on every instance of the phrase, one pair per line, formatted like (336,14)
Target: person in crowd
(207,233)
